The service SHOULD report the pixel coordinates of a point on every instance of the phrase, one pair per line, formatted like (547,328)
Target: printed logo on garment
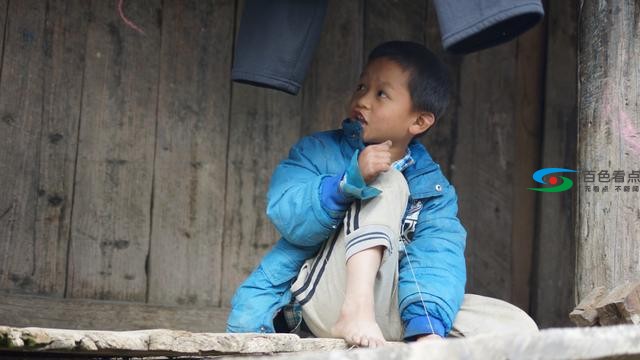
(410,221)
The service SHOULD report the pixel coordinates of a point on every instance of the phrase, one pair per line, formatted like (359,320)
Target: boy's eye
(382,93)
(360,87)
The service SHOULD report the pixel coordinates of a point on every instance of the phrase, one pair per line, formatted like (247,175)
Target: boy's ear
(422,123)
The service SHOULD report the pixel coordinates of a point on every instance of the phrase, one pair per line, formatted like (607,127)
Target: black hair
(429,85)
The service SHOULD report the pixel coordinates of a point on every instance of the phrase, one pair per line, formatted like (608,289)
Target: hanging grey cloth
(471,25)
(276,42)
(277,38)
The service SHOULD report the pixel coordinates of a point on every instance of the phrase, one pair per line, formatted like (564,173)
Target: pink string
(127,21)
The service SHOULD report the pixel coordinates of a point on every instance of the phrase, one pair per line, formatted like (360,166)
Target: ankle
(358,307)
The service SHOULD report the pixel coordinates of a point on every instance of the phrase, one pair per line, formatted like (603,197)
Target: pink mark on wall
(630,133)
(126,20)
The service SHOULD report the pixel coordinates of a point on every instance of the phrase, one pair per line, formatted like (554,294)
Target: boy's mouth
(357,115)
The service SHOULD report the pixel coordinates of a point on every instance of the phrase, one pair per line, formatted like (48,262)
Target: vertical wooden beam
(497,151)
(554,260)
(527,127)
(335,68)
(393,20)
(65,39)
(111,211)
(484,162)
(442,139)
(608,223)
(185,259)
(40,103)
(265,123)
(22,90)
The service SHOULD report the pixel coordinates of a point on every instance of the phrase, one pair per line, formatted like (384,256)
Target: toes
(353,340)
(378,343)
(373,343)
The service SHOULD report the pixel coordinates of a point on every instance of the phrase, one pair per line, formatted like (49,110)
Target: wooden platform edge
(76,314)
(38,324)
(153,342)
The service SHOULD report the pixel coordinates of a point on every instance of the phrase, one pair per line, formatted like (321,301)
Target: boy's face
(382,103)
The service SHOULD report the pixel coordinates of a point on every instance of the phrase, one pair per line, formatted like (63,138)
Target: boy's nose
(363,101)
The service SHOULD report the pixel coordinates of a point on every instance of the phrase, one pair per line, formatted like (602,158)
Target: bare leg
(357,321)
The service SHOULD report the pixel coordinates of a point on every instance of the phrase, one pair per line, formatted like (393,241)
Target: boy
(395,269)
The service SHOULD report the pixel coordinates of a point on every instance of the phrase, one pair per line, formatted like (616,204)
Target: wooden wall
(134,170)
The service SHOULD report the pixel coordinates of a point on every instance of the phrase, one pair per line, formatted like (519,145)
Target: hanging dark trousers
(277,38)
(472,25)
(276,42)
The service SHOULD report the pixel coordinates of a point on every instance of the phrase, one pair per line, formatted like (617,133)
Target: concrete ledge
(613,342)
(155,342)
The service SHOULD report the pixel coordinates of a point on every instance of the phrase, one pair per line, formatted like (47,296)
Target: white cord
(406,253)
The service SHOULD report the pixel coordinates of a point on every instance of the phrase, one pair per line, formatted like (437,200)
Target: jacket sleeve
(305,202)
(434,261)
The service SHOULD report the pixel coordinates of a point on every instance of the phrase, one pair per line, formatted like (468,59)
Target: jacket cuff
(353,184)
(324,217)
(419,326)
(332,199)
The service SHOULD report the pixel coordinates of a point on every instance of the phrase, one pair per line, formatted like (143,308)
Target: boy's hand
(374,159)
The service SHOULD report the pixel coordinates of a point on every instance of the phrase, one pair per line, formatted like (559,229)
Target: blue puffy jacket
(296,209)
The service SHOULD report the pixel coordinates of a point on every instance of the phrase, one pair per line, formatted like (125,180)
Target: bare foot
(357,326)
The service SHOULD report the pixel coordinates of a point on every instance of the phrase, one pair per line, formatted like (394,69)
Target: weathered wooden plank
(554,262)
(484,161)
(190,165)
(4,7)
(64,51)
(22,88)
(24,310)
(264,123)
(620,305)
(111,211)
(608,250)
(464,142)
(387,20)
(335,68)
(527,125)
(442,139)
(629,304)
(585,314)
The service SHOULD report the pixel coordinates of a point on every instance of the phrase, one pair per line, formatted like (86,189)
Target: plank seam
(75,171)
(155,152)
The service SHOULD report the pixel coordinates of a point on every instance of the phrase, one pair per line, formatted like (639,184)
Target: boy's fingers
(383,167)
(383,155)
(381,151)
(384,145)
